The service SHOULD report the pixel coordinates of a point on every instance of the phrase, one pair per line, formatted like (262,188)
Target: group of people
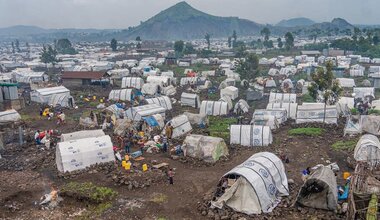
(61,117)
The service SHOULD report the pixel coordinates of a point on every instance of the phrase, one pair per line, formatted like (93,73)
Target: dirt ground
(27,172)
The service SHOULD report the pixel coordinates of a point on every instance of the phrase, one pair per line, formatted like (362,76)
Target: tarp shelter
(154,121)
(169,91)
(196,119)
(280,114)
(81,153)
(162,101)
(352,126)
(123,125)
(209,149)
(228,100)
(181,126)
(291,108)
(320,190)
(368,150)
(150,88)
(138,112)
(82,134)
(251,135)
(121,95)
(63,100)
(116,110)
(282,97)
(132,82)
(346,82)
(370,124)
(258,185)
(344,105)
(214,108)
(189,81)
(265,120)
(162,80)
(253,95)
(242,106)
(286,85)
(363,92)
(230,91)
(190,99)
(273,72)
(48,96)
(9,116)
(270,83)
(317,112)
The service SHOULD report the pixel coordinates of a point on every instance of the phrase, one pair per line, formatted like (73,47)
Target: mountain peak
(341,23)
(295,22)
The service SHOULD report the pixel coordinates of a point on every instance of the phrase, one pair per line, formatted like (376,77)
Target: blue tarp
(119,105)
(151,121)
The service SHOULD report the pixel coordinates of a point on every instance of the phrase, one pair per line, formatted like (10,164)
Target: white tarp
(241,105)
(291,108)
(280,114)
(370,124)
(82,153)
(190,99)
(162,101)
(162,80)
(362,92)
(9,116)
(82,134)
(188,80)
(214,108)
(44,95)
(207,148)
(228,100)
(368,150)
(150,88)
(136,113)
(344,105)
(346,82)
(169,91)
(317,112)
(62,99)
(260,185)
(250,135)
(181,126)
(282,97)
(230,91)
(265,120)
(196,119)
(132,82)
(121,95)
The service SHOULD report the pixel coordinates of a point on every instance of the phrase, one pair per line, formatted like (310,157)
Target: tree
(324,82)
(138,39)
(279,42)
(229,41)
(179,46)
(189,49)
(266,33)
(64,46)
(207,37)
(13,47)
(289,41)
(49,55)
(248,68)
(114,44)
(240,49)
(376,40)
(17,44)
(234,36)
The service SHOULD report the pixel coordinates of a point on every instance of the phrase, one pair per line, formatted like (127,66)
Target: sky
(109,14)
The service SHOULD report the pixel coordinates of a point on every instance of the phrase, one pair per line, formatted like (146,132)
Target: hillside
(182,21)
(295,22)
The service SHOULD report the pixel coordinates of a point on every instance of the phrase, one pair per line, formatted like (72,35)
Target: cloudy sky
(125,13)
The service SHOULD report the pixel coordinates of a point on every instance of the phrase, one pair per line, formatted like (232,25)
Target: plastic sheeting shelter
(282,97)
(291,108)
(253,95)
(317,112)
(81,134)
(190,99)
(280,114)
(154,121)
(169,91)
(227,100)
(121,95)
(265,120)
(251,135)
(230,91)
(189,80)
(207,148)
(162,80)
(368,150)
(346,82)
(132,82)
(363,92)
(214,108)
(320,190)
(344,105)
(196,119)
(162,101)
(242,106)
(9,116)
(82,153)
(181,126)
(260,183)
(150,89)
(63,100)
(46,94)
(138,112)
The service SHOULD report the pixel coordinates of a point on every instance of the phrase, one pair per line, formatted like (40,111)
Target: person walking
(164,143)
(171,176)
(169,130)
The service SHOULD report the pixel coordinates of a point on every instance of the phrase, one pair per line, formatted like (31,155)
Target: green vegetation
(307,98)
(307,131)
(27,118)
(374,112)
(354,111)
(248,68)
(49,55)
(219,127)
(89,191)
(289,41)
(64,46)
(159,198)
(114,44)
(344,145)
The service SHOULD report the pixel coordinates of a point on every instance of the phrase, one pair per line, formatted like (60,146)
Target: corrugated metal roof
(82,75)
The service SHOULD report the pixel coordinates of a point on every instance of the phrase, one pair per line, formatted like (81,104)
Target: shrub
(344,145)
(89,191)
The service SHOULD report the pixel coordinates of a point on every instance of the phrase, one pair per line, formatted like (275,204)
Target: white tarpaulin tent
(121,95)
(189,80)
(63,100)
(368,150)
(181,126)
(346,82)
(132,82)
(230,91)
(280,114)
(162,101)
(9,116)
(291,108)
(162,80)
(44,95)
(214,108)
(251,135)
(82,153)
(136,113)
(82,134)
(317,112)
(344,105)
(265,120)
(242,106)
(228,100)
(196,119)
(282,97)
(150,88)
(190,99)
(169,91)
(207,148)
(362,92)
(260,182)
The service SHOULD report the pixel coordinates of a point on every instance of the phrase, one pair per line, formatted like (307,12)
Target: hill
(295,22)
(182,21)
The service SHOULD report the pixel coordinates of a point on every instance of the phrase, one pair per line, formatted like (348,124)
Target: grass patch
(374,112)
(344,145)
(307,131)
(219,127)
(307,98)
(27,118)
(354,111)
(159,198)
(89,191)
